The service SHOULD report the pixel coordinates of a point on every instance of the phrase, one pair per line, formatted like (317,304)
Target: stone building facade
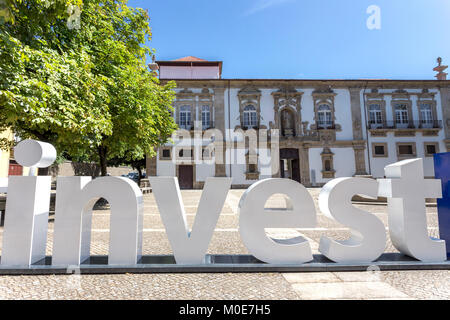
(325,128)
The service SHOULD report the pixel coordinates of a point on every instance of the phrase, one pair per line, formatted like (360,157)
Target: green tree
(75,74)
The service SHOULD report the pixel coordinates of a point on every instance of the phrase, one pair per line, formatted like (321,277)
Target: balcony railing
(208,126)
(244,127)
(190,126)
(325,126)
(434,124)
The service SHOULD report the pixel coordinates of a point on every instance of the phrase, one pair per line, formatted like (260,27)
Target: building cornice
(271,83)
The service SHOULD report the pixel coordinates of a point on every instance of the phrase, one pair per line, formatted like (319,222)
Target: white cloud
(261,5)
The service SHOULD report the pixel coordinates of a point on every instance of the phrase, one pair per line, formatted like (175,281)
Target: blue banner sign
(442,171)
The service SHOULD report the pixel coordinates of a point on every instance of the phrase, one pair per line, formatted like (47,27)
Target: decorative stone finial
(154,66)
(440,70)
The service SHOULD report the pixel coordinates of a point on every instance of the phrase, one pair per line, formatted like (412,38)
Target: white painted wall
(308,106)
(238,167)
(344,160)
(378,164)
(234,109)
(165,168)
(204,171)
(172,72)
(267,113)
(315,164)
(343,114)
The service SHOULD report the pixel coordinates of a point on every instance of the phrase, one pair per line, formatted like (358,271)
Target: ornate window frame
(321,97)
(290,99)
(402,97)
(425,151)
(410,156)
(249,96)
(380,144)
(378,112)
(189,120)
(427,97)
(205,98)
(207,153)
(328,172)
(324,111)
(250,116)
(161,153)
(185,98)
(251,159)
(374,98)
(195,101)
(182,159)
(206,108)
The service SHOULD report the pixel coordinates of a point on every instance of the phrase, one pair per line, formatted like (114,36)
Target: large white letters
(32,153)
(26,220)
(254,219)
(28,200)
(406,190)
(368,239)
(27,207)
(3,185)
(189,247)
(75,200)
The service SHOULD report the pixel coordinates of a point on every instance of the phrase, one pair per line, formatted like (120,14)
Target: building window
(328,171)
(206,117)
(431,148)
(375,115)
(249,108)
(208,153)
(426,115)
(251,159)
(287,122)
(380,150)
(406,150)
(185,153)
(401,115)
(327,165)
(250,117)
(287,112)
(165,154)
(324,116)
(185,117)
(324,111)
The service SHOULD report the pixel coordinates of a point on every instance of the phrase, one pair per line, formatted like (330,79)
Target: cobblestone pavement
(226,240)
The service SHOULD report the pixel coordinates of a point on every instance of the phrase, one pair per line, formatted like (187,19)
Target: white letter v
(189,247)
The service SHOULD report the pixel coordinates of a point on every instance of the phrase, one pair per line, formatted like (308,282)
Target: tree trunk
(43,171)
(102,152)
(139,169)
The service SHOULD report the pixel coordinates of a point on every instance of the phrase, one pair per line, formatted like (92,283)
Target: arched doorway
(290,164)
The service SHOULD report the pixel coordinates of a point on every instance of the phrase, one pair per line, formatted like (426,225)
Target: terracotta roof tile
(190,59)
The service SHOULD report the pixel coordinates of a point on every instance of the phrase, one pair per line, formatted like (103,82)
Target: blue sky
(304,39)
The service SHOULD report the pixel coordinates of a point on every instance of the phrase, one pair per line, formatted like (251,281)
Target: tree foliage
(74,73)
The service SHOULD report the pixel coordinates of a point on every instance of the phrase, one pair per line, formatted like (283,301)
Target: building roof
(190,59)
